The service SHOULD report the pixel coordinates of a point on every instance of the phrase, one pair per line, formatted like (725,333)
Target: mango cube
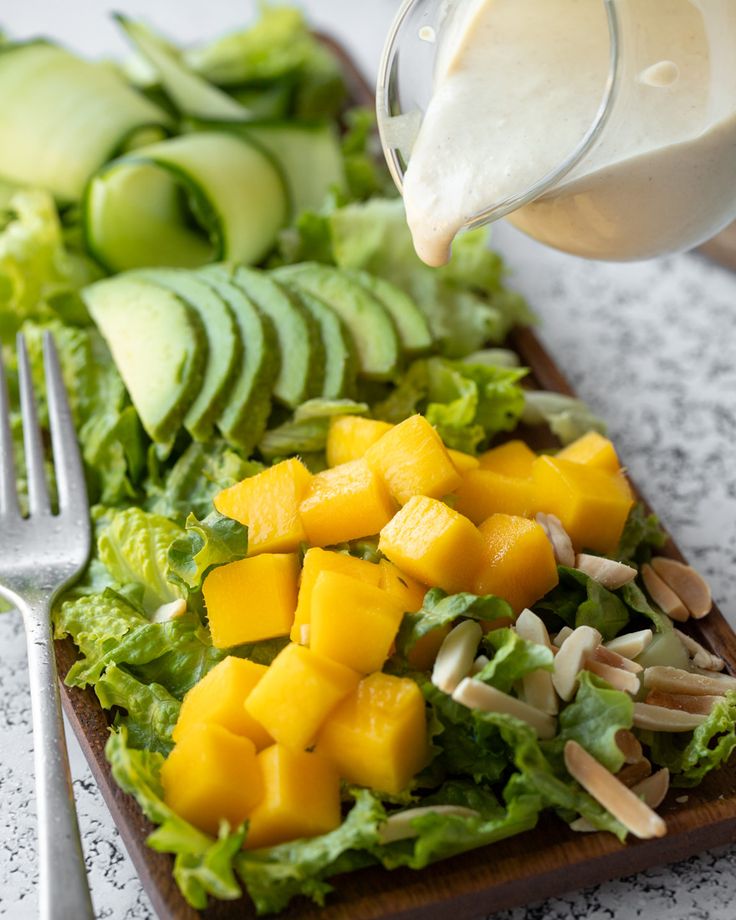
(318,560)
(434,544)
(591,503)
(218,699)
(344,503)
(350,436)
(412,460)
(352,622)
(268,505)
(212,775)
(514,458)
(592,449)
(407,590)
(484,492)
(252,599)
(297,693)
(301,798)
(463,462)
(377,737)
(519,562)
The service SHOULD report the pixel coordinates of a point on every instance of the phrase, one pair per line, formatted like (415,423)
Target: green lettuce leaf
(513,658)
(642,533)
(133,546)
(151,710)
(306,431)
(440,609)
(579,600)
(203,866)
(275,875)
(690,756)
(594,717)
(568,418)
(205,545)
(467,403)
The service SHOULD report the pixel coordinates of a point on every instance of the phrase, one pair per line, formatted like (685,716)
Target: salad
(323,548)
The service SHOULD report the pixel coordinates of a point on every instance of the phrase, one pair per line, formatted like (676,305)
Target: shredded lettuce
(513,658)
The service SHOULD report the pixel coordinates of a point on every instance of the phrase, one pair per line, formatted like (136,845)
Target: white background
(651,346)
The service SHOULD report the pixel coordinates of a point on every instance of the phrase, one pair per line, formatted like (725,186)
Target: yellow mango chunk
(268,505)
(514,459)
(463,462)
(484,492)
(301,798)
(252,599)
(344,503)
(377,737)
(352,622)
(297,693)
(519,562)
(318,560)
(350,436)
(212,775)
(407,590)
(412,460)
(218,699)
(592,450)
(591,503)
(434,544)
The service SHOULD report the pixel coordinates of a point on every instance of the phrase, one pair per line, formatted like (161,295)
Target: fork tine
(71,485)
(38,492)
(8,490)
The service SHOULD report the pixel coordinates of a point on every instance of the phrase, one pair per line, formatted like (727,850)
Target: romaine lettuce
(203,546)
(512,659)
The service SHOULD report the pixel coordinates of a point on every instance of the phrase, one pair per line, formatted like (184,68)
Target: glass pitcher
(627,109)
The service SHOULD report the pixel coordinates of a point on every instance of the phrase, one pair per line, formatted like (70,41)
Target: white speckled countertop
(651,347)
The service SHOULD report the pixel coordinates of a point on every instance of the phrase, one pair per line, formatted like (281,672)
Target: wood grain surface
(547,861)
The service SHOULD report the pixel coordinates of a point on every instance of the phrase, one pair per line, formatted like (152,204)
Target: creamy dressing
(518,83)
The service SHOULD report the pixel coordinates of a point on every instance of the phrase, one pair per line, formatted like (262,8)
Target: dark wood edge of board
(554,860)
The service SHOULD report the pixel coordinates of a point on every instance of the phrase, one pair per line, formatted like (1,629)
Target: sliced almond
(606,656)
(618,679)
(629,745)
(663,596)
(634,773)
(675,680)
(606,572)
(537,687)
(631,645)
(480,662)
(622,803)
(399,826)
(569,661)
(700,655)
(661,719)
(171,611)
(687,584)
(683,702)
(654,788)
(558,537)
(562,635)
(476,695)
(455,657)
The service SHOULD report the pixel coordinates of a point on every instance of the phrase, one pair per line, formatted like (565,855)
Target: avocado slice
(243,419)
(340,356)
(369,323)
(159,346)
(301,372)
(223,341)
(411,324)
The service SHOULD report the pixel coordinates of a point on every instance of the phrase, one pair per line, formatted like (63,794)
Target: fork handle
(63,889)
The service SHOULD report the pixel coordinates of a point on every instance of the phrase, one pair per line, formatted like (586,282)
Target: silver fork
(40,555)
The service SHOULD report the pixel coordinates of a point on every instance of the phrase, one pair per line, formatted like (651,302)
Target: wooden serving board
(547,861)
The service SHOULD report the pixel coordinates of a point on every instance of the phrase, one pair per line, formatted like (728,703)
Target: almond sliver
(675,680)
(570,660)
(629,745)
(476,695)
(661,719)
(617,678)
(606,656)
(654,788)
(683,701)
(455,657)
(663,596)
(631,645)
(636,816)
(606,572)
(399,826)
(687,584)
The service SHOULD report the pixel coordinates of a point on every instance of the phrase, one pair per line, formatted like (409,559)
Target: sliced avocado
(411,324)
(301,370)
(368,321)
(223,341)
(243,419)
(158,344)
(340,357)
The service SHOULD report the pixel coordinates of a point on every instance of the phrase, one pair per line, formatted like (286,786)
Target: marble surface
(650,346)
